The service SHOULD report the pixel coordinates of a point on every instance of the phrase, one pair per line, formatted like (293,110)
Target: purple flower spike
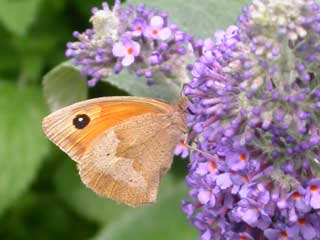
(138,27)
(206,235)
(127,50)
(254,108)
(155,58)
(224,181)
(137,38)
(156,29)
(313,194)
(278,232)
(302,228)
(182,150)
(238,160)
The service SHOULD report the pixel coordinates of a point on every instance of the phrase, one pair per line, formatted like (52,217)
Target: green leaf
(46,217)
(83,200)
(165,89)
(164,220)
(9,56)
(22,143)
(199,18)
(17,16)
(64,85)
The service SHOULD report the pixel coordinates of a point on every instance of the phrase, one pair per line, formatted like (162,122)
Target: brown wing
(103,113)
(128,160)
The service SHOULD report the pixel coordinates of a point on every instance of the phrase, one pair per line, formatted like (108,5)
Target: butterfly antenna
(200,151)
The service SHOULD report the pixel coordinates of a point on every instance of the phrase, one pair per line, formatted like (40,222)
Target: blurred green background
(41,196)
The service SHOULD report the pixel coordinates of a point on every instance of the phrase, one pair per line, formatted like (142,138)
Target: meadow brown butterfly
(122,145)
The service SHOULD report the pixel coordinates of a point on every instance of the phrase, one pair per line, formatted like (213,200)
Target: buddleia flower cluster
(255,112)
(139,39)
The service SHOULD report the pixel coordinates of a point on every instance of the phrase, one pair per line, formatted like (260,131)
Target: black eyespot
(81,121)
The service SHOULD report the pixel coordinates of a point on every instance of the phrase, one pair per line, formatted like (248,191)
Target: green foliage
(63,86)
(44,216)
(23,145)
(40,190)
(166,89)
(17,16)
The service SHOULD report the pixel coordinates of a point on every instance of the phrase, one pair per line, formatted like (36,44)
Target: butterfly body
(122,145)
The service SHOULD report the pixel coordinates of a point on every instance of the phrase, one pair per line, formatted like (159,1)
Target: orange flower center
(243,238)
(130,51)
(213,166)
(302,221)
(284,235)
(314,188)
(138,28)
(182,143)
(246,179)
(243,157)
(296,195)
(155,32)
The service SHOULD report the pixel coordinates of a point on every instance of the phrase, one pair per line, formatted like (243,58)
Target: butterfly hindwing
(128,161)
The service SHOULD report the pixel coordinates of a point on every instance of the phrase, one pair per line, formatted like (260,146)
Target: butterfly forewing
(103,114)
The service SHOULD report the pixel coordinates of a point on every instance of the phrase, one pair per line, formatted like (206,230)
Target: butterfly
(122,145)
